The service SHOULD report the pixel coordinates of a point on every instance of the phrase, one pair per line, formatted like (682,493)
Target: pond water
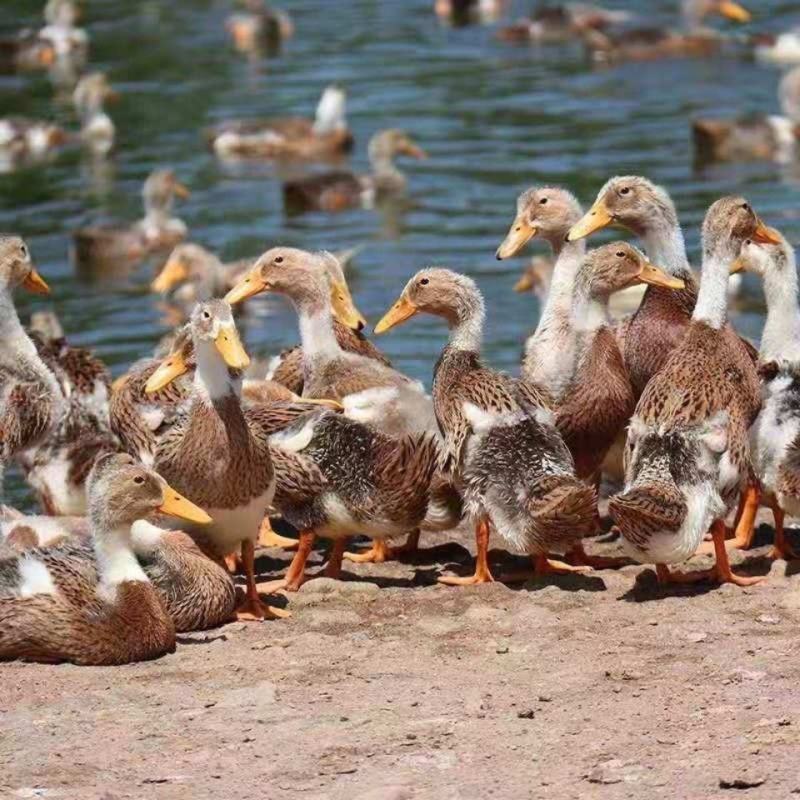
(494,119)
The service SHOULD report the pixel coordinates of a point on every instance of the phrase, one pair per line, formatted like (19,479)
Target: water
(494,119)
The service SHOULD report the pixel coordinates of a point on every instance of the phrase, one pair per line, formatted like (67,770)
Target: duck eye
(206,315)
(746,206)
(748,242)
(620,254)
(424,281)
(23,250)
(625,190)
(138,479)
(543,201)
(277,260)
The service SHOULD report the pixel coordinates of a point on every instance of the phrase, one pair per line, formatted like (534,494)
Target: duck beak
(172,367)
(402,310)
(47,56)
(230,347)
(343,307)
(173,273)
(651,274)
(35,283)
(733,11)
(412,149)
(595,219)
(763,234)
(176,505)
(519,234)
(179,190)
(524,284)
(737,266)
(335,405)
(250,285)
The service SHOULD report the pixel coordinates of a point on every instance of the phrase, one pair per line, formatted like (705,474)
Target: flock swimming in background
(156,488)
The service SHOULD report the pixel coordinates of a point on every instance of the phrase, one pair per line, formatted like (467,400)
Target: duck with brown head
(687,453)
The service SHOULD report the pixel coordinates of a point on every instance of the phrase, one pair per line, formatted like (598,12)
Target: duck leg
(268,538)
(781,548)
(333,569)
(482,572)
(745,527)
(295,576)
(252,608)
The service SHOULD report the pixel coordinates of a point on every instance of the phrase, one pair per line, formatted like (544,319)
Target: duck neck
(780,340)
(212,379)
(589,311)
(569,257)
(316,329)
(666,248)
(116,562)
(384,170)
(466,330)
(18,352)
(712,298)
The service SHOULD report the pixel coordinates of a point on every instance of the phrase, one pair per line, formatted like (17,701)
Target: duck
(753,137)
(31,403)
(775,435)
(369,391)
(782,48)
(259,27)
(97,128)
(24,140)
(500,443)
(464,12)
(25,52)
(562,23)
(687,451)
(21,532)
(646,44)
(324,137)
(157,231)
(57,608)
(216,452)
(340,190)
(68,40)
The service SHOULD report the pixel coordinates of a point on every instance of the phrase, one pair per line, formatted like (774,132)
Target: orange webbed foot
(376,554)
(253,609)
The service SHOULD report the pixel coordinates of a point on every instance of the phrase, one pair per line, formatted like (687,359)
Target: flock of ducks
(156,488)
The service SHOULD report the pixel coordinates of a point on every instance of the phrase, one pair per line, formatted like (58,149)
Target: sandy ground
(387,686)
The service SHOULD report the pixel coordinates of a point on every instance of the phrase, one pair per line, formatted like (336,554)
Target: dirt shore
(387,686)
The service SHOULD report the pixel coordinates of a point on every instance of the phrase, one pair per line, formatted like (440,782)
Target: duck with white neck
(688,453)
(501,447)
(215,453)
(62,604)
(89,98)
(774,435)
(31,402)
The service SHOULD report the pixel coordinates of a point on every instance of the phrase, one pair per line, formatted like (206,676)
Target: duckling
(157,230)
(31,403)
(259,27)
(645,44)
(774,436)
(501,445)
(687,452)
(326,136)
(561,23)
(370,391)
(25,52)
(216,451)
(54,607)
(97,128)
(68,40)
(337,191)
(755,136)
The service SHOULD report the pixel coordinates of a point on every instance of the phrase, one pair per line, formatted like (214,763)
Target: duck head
(16,267)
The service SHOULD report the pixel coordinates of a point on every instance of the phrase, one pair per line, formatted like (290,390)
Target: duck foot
(296,574)
(580,557)
(781,549)
(482,572)
(377,554)
(268,538)
(254,609)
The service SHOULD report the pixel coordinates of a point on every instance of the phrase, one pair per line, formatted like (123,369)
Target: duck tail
(643,511)
(564,505)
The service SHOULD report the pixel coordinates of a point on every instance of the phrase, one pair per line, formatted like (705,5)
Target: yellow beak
(176,505)
(35,283)
(250,285)
(596,218)
(763,234)
(343,307)
(412,149)
(173,273)
(172,367)
(230,347)
(519,234)
(525,283)
(731,10)
(651,274)
(180,190)
(334,405)
(738,266)
(402,310)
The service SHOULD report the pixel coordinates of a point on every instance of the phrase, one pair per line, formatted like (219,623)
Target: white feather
(35,578)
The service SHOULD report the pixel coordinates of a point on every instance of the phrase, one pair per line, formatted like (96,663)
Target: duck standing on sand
(687,453)
(501,445)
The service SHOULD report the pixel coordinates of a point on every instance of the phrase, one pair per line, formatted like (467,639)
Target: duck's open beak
(595,219)
(35,283)
(649,273)
(763,234)
(173,273)
(250,285)
(172,367)
(343,307)
(402,310)
(519,234)
(230,347)
(180,190)
(176,505)
(734,11)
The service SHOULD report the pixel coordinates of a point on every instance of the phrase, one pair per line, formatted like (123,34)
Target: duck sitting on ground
(687,452)
(561,23)
(340,190)
(54,607)
(325,136)
(646,44)
(158,230)
(769,137)
(259,27)
(501,446)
